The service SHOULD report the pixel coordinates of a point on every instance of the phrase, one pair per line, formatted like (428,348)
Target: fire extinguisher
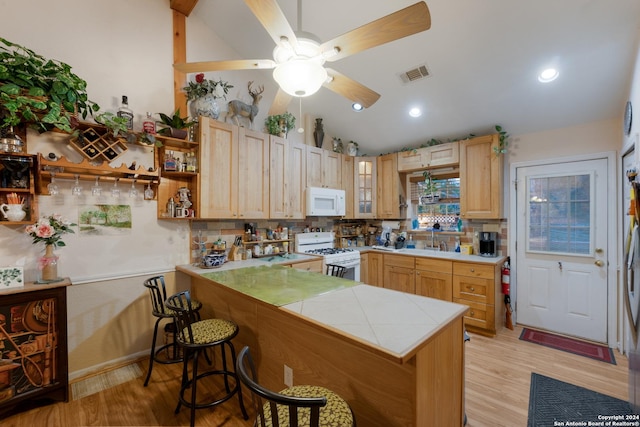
(506,277)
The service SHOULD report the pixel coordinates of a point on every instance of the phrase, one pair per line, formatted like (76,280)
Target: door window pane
(560,216)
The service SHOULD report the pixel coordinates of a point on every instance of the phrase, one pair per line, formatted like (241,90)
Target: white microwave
(325,202)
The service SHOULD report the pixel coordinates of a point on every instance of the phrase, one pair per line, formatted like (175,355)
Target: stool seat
(211,332)
(336,413)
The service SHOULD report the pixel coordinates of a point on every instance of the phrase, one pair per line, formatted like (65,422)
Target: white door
(561,249)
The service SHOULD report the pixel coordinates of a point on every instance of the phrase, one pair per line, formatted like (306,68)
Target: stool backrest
(275,406)
(158,293)
(184,314)
(336,270)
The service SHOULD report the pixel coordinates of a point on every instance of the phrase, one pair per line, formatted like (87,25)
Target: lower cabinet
(476,285)
(399,273)
(376,270)
(33,340)
(433,278)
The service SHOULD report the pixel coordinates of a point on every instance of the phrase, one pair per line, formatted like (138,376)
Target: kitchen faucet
(442,245)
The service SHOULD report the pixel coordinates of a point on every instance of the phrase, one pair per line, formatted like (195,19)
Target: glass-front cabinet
(365,187)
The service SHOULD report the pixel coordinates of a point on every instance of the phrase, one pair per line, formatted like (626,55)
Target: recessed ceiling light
(357,107)
(548,75)
(415,112)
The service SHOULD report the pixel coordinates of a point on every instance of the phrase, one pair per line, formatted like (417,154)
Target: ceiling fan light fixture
(548,75)
(300,77)
(356,106)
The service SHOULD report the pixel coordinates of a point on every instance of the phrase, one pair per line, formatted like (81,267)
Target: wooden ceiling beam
(183,6)
(179,56)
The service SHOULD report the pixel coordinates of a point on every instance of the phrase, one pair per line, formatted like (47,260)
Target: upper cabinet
(324,168)
(18,189)
(234,175)
(287,177)
(389,188)
(429,157)
(364,187)
(480,178)
(348,185)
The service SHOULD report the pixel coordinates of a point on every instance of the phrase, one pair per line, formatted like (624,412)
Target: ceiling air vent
(414,74)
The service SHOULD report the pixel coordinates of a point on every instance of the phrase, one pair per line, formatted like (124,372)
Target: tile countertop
(453,256)
(393,322)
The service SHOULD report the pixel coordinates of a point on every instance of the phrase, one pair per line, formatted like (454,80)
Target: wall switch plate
(288,376)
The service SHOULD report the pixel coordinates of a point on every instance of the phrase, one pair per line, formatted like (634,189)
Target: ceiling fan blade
(351,89)
(273,20)
(280,103)
(405,22)
(238,64)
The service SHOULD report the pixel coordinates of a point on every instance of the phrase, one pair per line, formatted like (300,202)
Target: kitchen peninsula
(397,358)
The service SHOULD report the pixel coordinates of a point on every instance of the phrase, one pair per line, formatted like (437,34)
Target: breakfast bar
(396,358)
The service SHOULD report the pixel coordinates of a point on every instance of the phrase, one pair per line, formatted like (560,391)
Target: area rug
(582,348)
(102,382)
(555,403)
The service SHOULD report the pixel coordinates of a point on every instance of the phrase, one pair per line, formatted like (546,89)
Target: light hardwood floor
(497,390)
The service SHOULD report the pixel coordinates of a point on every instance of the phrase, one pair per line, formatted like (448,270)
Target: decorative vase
(48,266)
(205,106)
(318,133)
(352,149)
(283,129)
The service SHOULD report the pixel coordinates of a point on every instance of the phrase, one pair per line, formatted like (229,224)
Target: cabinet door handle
(471,288)
(473,270)
(472,313)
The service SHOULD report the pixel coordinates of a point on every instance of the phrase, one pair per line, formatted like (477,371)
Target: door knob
(599,263)
(599,250)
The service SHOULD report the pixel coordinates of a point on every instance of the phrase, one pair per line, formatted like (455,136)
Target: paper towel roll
(393,225)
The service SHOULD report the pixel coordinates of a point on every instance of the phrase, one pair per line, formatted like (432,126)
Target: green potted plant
(43,93)
(117,125)
(174,125)
(430,191)
(280,124)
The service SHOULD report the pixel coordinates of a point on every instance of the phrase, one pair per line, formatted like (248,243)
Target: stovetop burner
(329,251)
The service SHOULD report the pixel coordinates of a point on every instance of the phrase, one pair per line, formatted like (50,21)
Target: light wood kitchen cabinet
(348,165)
(429,157)
(234,182)
(287,178)
(364,187)
(324,168)
(477,285)
(433,278)
(376,270)
(480,178)
(399,273)
(389,187)
(364,268)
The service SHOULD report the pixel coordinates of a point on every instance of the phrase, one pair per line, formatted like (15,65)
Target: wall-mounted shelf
(17,175)
(88,171)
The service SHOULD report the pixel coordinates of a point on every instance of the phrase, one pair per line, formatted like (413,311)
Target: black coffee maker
(488,243)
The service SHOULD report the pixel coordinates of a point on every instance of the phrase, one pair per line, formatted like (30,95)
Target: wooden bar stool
(195,336)
(158,293)
(301,405)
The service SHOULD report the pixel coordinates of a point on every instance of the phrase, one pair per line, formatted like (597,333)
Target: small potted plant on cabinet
(175,126)
(280,124)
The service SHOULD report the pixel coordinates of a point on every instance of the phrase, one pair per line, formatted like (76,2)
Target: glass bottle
(148,124)
(126,112)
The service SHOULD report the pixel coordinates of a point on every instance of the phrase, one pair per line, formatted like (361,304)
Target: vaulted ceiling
(482,57)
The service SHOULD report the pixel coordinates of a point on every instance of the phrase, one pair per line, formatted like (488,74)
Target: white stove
(322,243)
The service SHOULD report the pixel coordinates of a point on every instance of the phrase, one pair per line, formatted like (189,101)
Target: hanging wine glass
(133,191)
(148,192)
(115,191)
(96,190)
(76,190)
(52,187)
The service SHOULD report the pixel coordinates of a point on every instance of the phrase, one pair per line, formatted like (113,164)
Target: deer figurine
(238,108)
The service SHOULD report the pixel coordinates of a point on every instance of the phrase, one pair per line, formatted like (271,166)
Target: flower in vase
(202,87)
(49,229)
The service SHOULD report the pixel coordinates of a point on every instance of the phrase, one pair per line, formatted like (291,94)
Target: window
(443,209)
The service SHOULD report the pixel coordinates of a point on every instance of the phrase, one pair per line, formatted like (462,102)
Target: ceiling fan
(298,58)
